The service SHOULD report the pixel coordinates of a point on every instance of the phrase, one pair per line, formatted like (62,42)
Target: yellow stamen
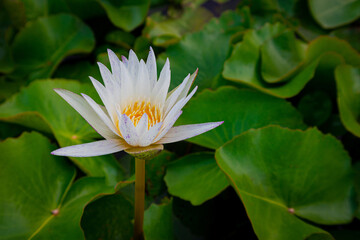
(136,110)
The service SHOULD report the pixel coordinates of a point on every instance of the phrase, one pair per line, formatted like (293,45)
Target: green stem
(139,198)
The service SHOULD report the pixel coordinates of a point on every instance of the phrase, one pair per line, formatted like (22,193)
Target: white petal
(106,76)
(92,149)
(150,135)
(105,97)
(142,125)
(115,66)
(127,88)
(143,83)
(124,60)
(180,104)
(133,64)
(174,97)
(128,130)
(82,107)
(104,117)
(172,116)
(183,132)
(161,88)
(167,125)
(186,89)
(151,66)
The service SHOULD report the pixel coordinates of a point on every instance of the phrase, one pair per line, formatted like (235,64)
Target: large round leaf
(38,106)
(38,200)
(240,109)
(195,178)
(41,45)
(348,85)
(283,174)
(334,13)
(126,14)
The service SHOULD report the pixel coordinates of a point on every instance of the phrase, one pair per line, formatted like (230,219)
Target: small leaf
(281,56)
(126,14)
(167,31)
(334,13)
(195,178)
(348,85)
(290,175)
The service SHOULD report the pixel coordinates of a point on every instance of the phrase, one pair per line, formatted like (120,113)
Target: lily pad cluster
(284,76)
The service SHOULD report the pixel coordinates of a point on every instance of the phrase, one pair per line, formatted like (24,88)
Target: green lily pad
(166,31)
(244,62)
(348,85)
(39,107)
(108,218)
(158,222)
(291,174)
(41,202)
(193,52)
(126,14)
(240,109)
(333,13)
(42,44)
(196,178)
(281,56)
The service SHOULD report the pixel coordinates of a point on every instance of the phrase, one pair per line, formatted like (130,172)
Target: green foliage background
(284,76)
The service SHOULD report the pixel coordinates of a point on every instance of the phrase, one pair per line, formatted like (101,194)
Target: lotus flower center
(137,109)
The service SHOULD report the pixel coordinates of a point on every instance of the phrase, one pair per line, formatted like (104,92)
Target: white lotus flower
(139,112)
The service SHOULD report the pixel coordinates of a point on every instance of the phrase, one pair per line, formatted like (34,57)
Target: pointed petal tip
(123,58)
(110,51)
(57,90)
(56,152)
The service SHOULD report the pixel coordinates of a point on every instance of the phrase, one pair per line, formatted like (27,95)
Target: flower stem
(139,198)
